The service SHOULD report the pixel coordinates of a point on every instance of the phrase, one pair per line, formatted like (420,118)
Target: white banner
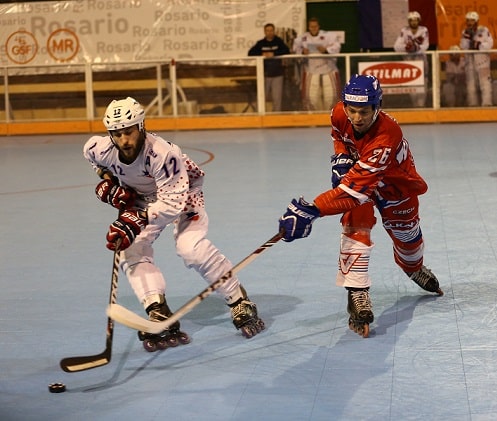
(113,31)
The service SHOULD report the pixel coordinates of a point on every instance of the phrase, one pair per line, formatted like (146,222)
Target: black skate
(425,278)
(171,337)
(360,310)
(244,315)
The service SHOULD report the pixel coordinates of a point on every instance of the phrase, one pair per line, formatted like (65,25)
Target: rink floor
(428,358)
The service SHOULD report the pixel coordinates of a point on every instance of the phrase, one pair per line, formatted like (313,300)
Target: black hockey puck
(56,387)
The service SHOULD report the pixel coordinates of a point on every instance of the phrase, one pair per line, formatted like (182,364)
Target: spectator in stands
(271,46)
(320,80)
(454,87)
(414,40)
(477,37)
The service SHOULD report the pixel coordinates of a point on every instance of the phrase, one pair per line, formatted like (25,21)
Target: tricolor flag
(382,20)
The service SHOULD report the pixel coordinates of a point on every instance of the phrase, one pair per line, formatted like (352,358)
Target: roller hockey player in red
(158,185)
(372,166)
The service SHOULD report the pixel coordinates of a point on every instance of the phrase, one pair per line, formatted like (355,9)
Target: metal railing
(186,86)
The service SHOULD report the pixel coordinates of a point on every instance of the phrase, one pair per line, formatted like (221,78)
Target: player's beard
(128,153)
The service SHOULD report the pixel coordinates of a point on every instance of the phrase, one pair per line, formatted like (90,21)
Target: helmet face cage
(473,16)
(124,113)
(413,15)
(363,90)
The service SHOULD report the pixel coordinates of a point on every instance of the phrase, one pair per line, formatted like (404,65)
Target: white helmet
(414,15)
(124,113)
(473,15)
(455,48)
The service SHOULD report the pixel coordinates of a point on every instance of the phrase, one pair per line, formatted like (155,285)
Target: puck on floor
(56,387)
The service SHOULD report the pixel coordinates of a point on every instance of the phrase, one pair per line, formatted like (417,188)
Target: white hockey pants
(192,246)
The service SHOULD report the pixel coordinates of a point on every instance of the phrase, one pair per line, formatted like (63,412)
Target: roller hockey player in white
(155,185)
(478,74)
(320,79)
(372,166)
(414,40)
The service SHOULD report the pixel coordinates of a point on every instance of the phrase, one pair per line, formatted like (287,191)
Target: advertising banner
(113,31)
(396,77)
(451,18)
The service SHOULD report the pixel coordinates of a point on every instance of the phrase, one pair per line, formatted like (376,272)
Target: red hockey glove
(411,47)
(113,194)
(419,40)
(129,224)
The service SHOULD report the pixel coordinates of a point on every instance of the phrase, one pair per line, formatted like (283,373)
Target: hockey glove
(474,45)
(469,34)
(419,40)
(129,224)
(341,163)
(113,194)
(411,47)
(297,221)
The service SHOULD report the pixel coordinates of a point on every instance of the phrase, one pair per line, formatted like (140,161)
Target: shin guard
(353,265)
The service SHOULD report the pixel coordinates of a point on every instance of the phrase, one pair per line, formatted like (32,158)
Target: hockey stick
(126,317)
(73,364)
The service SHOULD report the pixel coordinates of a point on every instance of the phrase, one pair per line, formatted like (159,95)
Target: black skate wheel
(172,341)
(56,387)
(183,338)
(248,331)
(359,327)
(162,344)
(260,325)
(149,345)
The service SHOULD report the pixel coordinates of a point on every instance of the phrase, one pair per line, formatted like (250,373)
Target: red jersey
(384,162)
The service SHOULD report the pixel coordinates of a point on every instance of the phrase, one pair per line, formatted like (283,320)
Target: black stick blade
(73,364)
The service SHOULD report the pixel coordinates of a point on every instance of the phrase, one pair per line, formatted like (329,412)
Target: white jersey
(482,36)
(417,42)
(327,39)
(454,70)
(164,178)
(478,66)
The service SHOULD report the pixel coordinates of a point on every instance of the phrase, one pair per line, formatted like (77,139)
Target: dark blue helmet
(363,90)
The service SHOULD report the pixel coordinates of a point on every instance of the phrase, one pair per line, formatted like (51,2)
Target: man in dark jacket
(269,47)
